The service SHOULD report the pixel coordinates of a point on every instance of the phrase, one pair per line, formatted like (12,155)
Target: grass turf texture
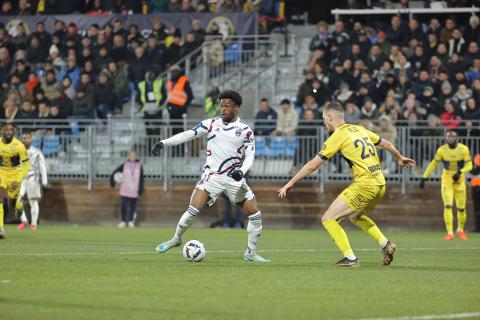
(109,273)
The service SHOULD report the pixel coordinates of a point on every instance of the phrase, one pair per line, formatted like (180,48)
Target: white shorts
(31,188)
(216,184)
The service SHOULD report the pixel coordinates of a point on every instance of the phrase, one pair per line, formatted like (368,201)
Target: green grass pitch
(66,272)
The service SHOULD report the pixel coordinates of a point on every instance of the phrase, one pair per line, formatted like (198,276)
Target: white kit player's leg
(34,211)
(23,217)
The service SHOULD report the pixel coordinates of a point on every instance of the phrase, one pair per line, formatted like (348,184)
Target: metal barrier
(87,151)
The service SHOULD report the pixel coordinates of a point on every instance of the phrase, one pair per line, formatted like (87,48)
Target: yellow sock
(340,237)
(448,218)
(367,225)
(461,218)
(1,215)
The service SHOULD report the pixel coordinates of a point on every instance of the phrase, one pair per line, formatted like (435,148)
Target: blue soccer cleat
(167,245)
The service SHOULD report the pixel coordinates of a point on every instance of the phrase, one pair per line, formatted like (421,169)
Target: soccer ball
(118,177)
(194,251)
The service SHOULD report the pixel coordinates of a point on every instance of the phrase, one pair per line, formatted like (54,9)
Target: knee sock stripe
(192,211)
(255,216)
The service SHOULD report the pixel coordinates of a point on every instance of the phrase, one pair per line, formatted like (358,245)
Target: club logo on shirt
(238,132)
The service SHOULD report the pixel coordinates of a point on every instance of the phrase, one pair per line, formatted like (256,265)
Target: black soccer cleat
(388,252)
(345,262)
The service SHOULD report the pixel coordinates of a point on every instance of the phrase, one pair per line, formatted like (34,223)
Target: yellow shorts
(5,183)
(362,198)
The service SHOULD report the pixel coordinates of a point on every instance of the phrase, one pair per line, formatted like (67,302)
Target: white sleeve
(249,151)
(43,169)
(185,136)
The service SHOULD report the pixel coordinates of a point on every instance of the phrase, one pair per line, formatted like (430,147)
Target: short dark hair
(232,95)
(264,100)
(334,106)
(285,101)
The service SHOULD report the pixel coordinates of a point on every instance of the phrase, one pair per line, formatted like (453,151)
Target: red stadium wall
(71,202)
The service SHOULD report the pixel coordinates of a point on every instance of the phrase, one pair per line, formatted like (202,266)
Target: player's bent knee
(448,207)
(461,210)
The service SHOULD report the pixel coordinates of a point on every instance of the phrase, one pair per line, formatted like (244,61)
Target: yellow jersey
(13,159)
(357,146)
(453,160)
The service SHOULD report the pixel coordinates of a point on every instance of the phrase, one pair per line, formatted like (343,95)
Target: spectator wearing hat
(369,109)
(51,86)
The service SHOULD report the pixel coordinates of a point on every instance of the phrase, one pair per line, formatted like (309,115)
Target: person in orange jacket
(476,191)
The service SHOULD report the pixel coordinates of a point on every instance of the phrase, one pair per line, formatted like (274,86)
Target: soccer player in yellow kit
(357,146)
(456,162)
(14,165)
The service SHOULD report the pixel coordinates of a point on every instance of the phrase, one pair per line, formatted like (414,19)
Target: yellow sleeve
(467,166)
(331,146)
(375,138)
(436,159)
(24,161)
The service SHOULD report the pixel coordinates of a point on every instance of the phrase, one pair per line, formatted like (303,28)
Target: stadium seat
(260,147)
(75,129)
(292,147)
(51,145)
(37,142)
(277,147)
(233,53)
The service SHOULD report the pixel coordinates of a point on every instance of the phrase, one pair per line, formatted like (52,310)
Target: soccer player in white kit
(31,183)
(230,154)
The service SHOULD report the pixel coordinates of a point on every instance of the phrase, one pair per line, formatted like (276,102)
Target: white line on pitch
(464,315)
(229,251)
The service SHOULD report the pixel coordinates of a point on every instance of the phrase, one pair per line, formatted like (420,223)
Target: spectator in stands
(449,118)
(131,188)
(403,68)
(471,113)
(319,43)
(472,31)
(11,110)
(461,96)
(104,96)
(83,106)
(26,113)
(189,46)
(7,8)
(433,128)
(227,6)
(474,72)
(21,39)
(36,54)
(152,96)
(57,60)
(50,86)
(320,92)
(386,130)
(198,32)
(340,36)
(265,119)
(186,6)
(156,53)
(429,102)
(447,31)
(138,66)
(306,87)
(390,108)
(456,44)
(175,48)
(5,64)
(287,119)
(120,80)
(174,6)
(476,89)
(71,70)
(43,36)
(345,94)
(414,31)
(435,27)
(472,54)
(396,32)
(307,134)
(375,59)
(369,110)
(67,88)
(390,83)
(352,113)
(43,111)
(340,75)
(57,127)
(180,95)
(119,50)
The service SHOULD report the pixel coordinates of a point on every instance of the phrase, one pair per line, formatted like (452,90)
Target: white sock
(23,217)
(254,229)
(185,222)
(34,211)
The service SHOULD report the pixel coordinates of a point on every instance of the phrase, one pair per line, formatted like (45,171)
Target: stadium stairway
(71,202)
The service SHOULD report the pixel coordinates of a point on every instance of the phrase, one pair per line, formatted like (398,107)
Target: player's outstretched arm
(182,137)
(307,169)
(402,161)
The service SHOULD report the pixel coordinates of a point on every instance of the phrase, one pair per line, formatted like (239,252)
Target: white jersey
(229,146)
(37,166)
